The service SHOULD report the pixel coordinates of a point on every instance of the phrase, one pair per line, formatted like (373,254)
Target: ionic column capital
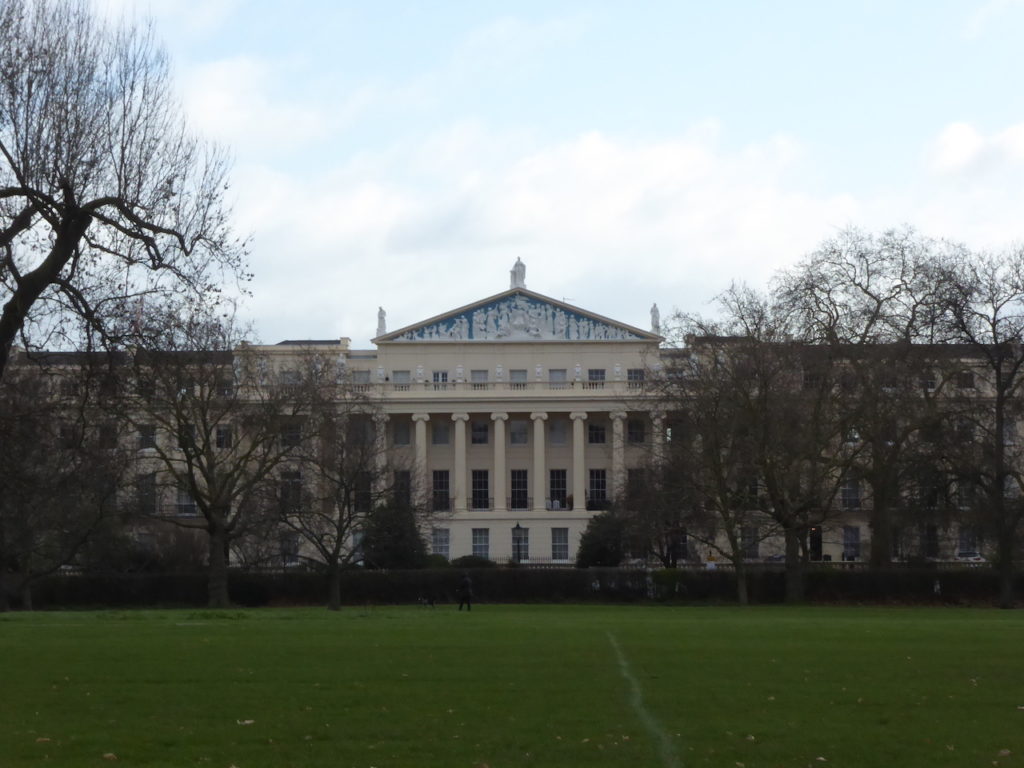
(617,415)
(421,417)
(499,417)
(539,415)
(578,415)
(460,417)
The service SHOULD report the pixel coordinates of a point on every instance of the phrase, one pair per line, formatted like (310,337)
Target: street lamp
(517,533)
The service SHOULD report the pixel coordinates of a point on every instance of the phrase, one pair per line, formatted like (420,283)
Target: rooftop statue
(518,275)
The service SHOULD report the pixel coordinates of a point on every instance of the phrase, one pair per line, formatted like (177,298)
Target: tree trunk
(741,582)
(334,588)
(217,582)
(881,528)
(26,596)
(794,567)
(1005,567)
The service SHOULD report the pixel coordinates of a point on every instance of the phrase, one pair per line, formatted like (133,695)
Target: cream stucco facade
(515,410)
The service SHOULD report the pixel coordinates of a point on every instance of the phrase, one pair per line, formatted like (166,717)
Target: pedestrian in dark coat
(466,592)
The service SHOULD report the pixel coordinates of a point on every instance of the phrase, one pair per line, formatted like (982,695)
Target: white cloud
(611,225)
(987,14)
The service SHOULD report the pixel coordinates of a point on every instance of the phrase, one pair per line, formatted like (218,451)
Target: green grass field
(514,686)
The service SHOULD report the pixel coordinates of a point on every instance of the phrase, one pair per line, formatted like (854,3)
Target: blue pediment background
(517,316)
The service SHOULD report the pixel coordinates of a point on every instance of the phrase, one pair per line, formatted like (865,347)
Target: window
(928,380)
(559,543)
(289,547)
(558,431)
(964,430)
(517,378)
(67,436)
(559,496)
(478,432)
(400,433)
(291,435)
(482,542)
(520,543)
(812,379)
(439,432)
(750,540)
(849,494)
(440,542)
(518,431)
(519,490)
(401,488)
(636,431)
(598,495)
(401,380)
(965,380)
(558,378)
(851,542)
(595,434)
(595,378)
(441,500)
(930,540)
(360,381)
(479,379)
(480,488)
(186,505)
(636,482)
(147,436)
(145,490)
(362,498)
(967,544)
(635,378)
(440,380)
(290,490)
(225,387)
(108,436)
(224,438)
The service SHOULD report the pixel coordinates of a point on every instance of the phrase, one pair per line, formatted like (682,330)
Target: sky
(405,154)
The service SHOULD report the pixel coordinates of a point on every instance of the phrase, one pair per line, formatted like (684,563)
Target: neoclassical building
(518,415)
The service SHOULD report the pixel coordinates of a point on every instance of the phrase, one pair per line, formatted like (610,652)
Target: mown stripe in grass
(636,700)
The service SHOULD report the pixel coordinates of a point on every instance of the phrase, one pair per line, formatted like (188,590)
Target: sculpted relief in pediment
(518,318)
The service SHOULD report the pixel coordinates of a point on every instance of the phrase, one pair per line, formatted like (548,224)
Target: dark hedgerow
(522,584)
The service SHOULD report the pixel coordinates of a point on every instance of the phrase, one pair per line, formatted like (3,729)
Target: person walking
(466,592)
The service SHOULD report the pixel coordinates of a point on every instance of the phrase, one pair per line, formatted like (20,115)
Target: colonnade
(460,491)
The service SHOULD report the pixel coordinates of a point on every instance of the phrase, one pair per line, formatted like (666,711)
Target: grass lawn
(514,686)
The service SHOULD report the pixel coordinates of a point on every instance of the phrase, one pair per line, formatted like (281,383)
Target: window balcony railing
(441,502)
(517,501)
(597,503)
(558,503)
(481,502)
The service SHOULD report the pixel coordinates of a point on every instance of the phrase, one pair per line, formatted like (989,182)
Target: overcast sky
(404,154)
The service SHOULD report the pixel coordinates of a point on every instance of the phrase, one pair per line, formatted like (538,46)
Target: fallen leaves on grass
(109,756)
(245,722)
(42,739)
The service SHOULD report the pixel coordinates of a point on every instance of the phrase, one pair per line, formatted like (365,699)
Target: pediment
(514,316)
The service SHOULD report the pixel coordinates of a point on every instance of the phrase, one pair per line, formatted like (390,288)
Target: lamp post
(517,533)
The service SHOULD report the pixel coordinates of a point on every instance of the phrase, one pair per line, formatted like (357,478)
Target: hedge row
(520,585)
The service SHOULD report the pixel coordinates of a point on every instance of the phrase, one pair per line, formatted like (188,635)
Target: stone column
(380,447)
(540,481)
(618,454)
(500,473)
(420,490)
(658,436)
(579,444)
(459,481)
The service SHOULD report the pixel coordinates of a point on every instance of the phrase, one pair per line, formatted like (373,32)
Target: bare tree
(983,304)
(873,302)
(709,467)
(346,493)
(63,464)
(219,419)
(105,196)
